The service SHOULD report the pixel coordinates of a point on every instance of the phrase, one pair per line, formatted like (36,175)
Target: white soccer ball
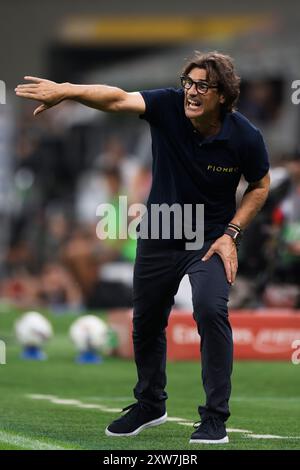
(33,329)
(89,332)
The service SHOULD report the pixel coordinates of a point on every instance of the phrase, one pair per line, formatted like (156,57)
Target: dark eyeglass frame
(187,83)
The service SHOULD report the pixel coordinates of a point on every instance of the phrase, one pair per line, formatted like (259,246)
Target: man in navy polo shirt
(201,147)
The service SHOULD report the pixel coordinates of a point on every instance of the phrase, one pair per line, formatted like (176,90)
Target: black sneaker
(211,431)
(135,420)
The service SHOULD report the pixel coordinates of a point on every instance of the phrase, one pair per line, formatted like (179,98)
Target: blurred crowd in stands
(67,162)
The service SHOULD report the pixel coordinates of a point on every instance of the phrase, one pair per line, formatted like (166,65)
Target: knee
(145,326)
(208,310)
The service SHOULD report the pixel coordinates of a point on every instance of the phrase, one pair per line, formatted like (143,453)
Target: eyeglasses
(202,86)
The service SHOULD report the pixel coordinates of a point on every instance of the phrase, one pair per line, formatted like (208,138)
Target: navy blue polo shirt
(188,169)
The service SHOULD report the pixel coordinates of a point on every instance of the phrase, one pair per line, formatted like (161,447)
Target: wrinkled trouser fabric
(157,275)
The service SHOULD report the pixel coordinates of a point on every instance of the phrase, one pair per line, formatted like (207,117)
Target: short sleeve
(255,159)
(159,104)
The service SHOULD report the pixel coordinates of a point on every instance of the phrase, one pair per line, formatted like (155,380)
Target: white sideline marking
(239,430)
(26,442)
(270,436)
(58,401)
(190,423)
(285,399)
(176,420)
(184,422)
(78,403)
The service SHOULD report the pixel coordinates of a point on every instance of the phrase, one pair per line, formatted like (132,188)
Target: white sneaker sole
(154,422)
(224,440)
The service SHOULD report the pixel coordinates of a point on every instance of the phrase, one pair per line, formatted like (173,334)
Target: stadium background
(56,169)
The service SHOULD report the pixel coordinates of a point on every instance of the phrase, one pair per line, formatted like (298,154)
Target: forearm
(102,97)
(252,201)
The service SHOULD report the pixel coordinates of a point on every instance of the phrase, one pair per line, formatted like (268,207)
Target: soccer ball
(89,334)
(32,331)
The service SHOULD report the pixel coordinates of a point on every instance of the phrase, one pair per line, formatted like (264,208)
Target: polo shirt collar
(224,133)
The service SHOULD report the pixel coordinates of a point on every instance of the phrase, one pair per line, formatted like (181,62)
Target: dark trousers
(157,275)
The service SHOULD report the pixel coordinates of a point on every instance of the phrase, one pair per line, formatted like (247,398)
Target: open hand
(226,249)
(48,92)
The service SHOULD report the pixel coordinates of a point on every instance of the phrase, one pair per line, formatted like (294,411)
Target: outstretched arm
(102,97)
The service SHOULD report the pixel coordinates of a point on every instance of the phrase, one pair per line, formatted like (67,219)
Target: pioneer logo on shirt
(223,169)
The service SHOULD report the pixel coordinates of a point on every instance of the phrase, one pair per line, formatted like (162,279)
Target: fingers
(27,85)
(40,109)
(234,268)
(27,94)
(228,255)
(34,79)
(230,265)
(30,86)
(233,272)
(228,270)
(208,255)
(31,91)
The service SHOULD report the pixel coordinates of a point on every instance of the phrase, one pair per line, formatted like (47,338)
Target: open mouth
(193,104)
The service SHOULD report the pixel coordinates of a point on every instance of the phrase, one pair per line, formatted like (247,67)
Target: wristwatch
(235,233)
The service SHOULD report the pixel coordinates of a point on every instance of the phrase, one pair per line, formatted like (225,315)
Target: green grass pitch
(265,400)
